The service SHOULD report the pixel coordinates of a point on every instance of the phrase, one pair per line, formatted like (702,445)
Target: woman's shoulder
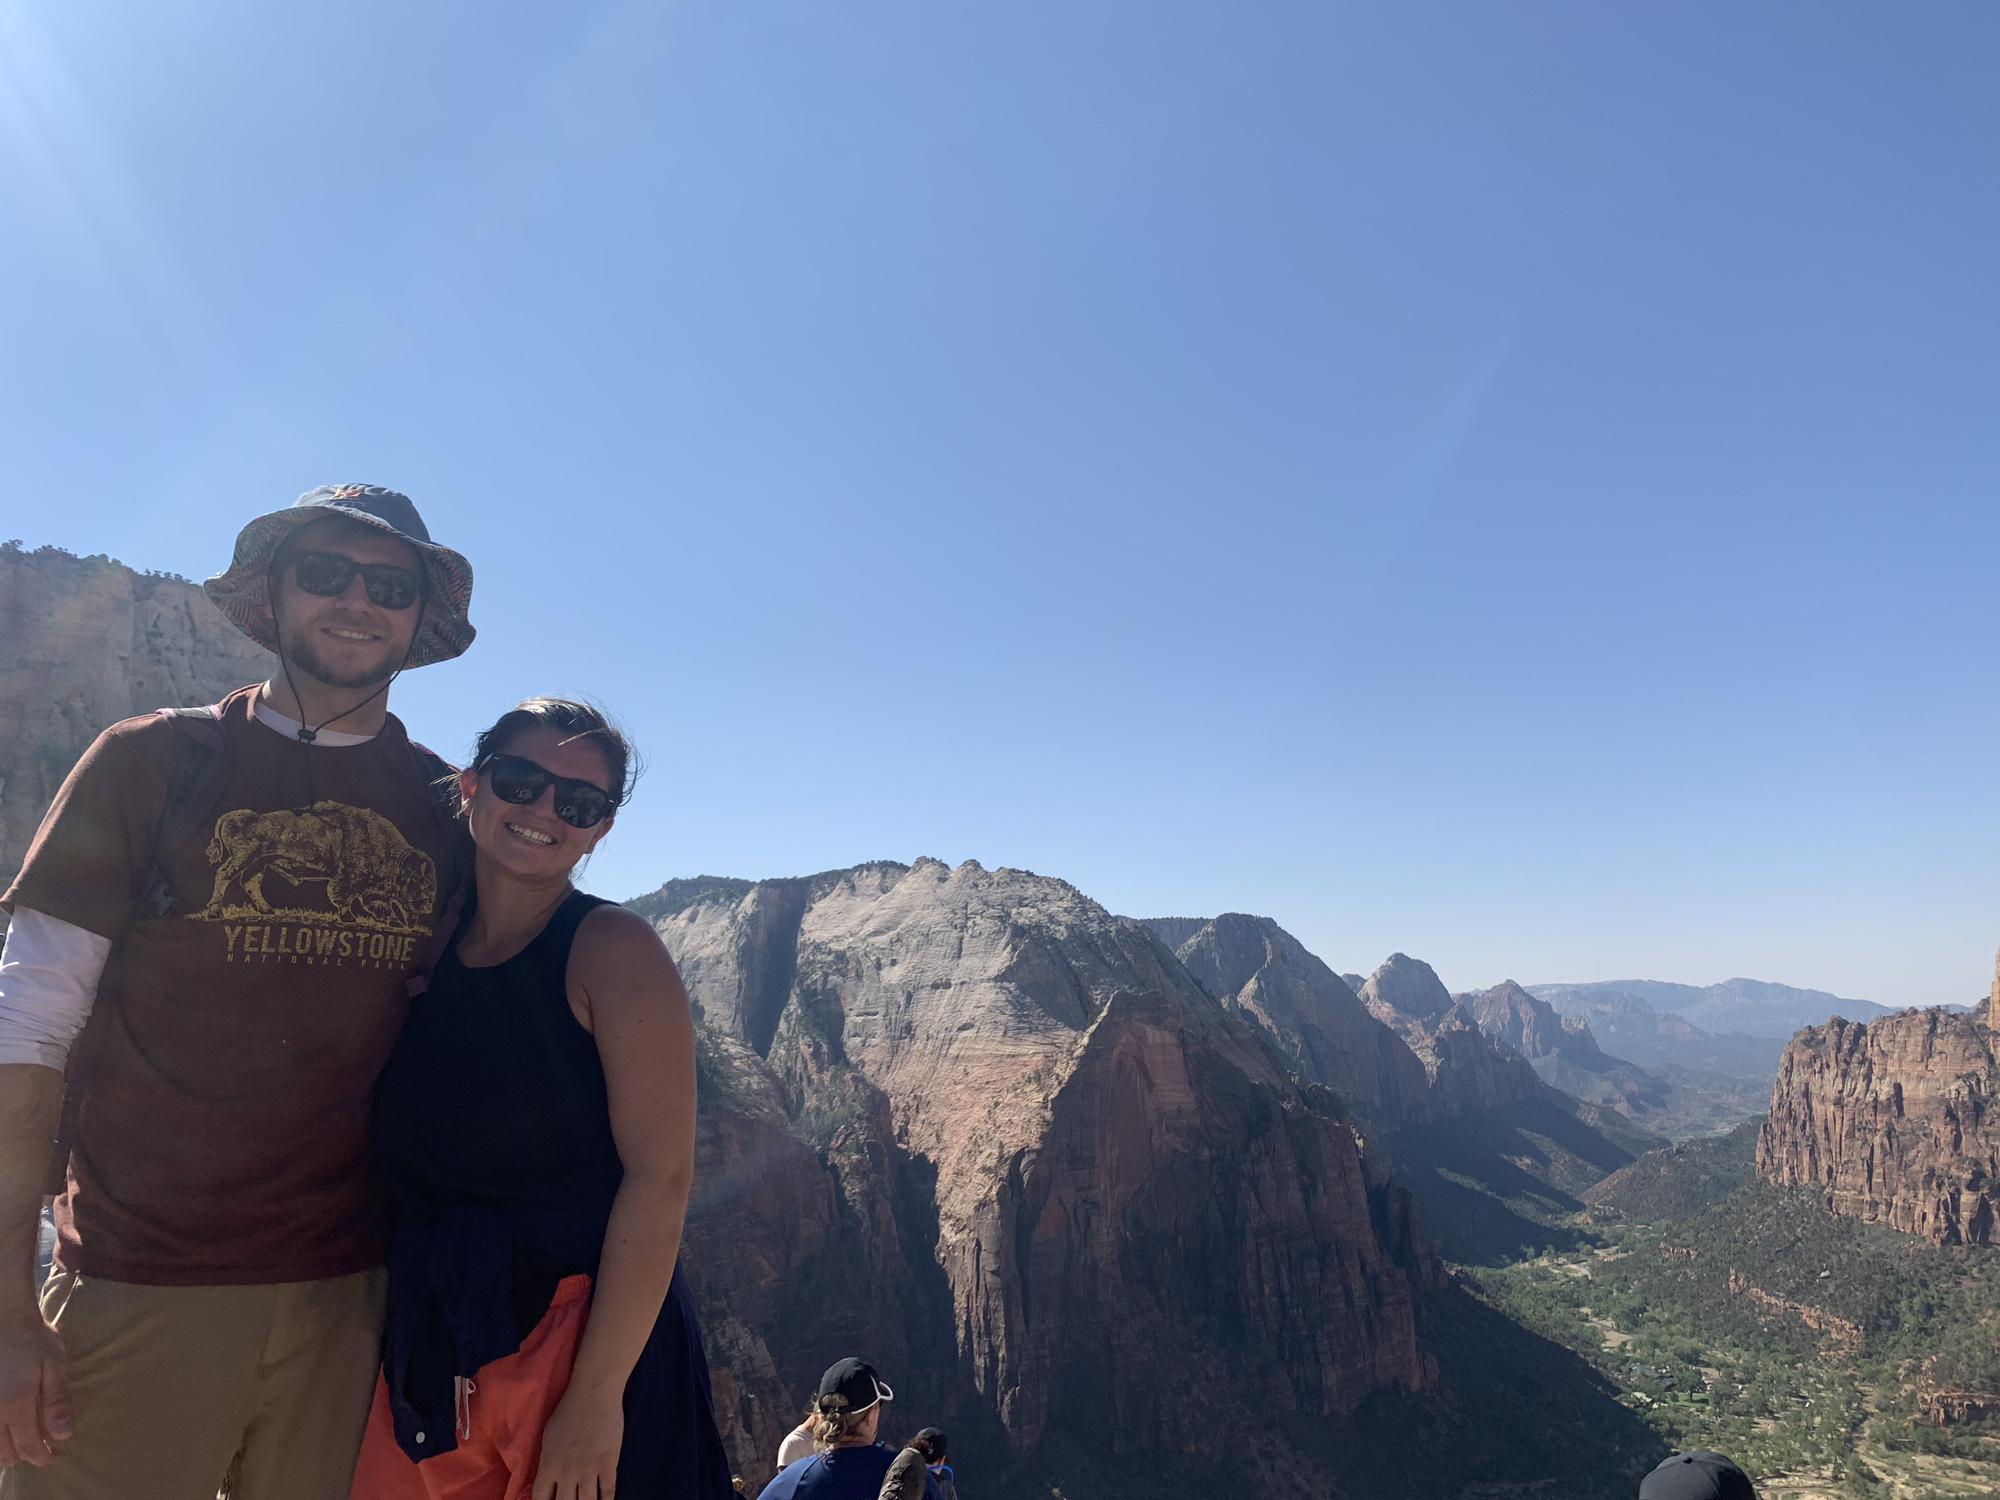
(609,923)
(612,939)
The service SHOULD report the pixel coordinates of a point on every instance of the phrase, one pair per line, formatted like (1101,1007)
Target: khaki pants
(172,1389)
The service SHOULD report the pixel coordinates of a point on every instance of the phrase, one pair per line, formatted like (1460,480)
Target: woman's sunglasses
(516,779)
(328,575)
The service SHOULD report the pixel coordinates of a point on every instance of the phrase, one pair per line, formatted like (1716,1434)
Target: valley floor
(1806,1412)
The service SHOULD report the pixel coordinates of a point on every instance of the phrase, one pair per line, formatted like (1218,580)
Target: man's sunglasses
(516,779)
(328,575)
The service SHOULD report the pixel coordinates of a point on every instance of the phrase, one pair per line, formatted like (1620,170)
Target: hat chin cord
(309,733)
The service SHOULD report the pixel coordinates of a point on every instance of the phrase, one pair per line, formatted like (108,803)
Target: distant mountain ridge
(1562,1050)
(1669,1096)
(1752,1007)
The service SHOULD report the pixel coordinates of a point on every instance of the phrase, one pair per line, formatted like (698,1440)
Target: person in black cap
(846,1419)
(235,899)
(1697,1475)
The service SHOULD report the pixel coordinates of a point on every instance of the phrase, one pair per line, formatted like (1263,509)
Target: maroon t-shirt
(223,1137)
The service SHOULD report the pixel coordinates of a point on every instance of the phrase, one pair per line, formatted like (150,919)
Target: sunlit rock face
(85,642)
(1895,1121)
(1523,1024)
(1254,966)
(1083,1197)
(1405,990)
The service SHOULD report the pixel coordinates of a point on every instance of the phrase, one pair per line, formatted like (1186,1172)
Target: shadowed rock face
(1466,1069)
(1254,965)
(83,644)
(1894,1121)
(1090,1197)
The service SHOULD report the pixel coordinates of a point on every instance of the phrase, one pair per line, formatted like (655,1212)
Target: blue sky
(1509,482)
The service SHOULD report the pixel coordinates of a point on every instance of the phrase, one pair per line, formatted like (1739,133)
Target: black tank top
(494,1093)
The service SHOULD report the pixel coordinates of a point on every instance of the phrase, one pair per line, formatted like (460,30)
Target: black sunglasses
(328,575)
(516,779)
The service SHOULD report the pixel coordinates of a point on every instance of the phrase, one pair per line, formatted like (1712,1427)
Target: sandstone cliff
(1262,971)
(1085,1196)
(1894,1121)
(85,642)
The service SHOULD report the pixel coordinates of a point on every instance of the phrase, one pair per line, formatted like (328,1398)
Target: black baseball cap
(1697,1475)
(850,1387)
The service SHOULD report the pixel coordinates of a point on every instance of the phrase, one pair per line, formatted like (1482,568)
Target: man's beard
(303,656)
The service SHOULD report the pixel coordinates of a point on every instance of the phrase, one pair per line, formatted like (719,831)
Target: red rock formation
(1843,1336)
(1950,1406)
(1005,1126)
(1893,1121)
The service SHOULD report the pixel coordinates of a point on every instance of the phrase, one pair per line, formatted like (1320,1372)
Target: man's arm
(34,1399)
(49,972)
(74,893)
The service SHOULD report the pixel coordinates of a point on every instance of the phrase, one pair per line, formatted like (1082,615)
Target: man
(846,1419)
(1697,1475)
(237,904)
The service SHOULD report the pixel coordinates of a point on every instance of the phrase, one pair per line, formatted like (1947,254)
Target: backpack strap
(200,775)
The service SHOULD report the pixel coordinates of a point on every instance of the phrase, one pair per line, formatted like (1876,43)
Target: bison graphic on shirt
(324,864)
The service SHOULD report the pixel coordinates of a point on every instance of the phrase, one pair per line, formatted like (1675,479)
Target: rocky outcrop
(1843,1335)
(1520,1022)
(1255,967)
(85,642)
(1091,1195)
(1467,1071)
(1892,1121)
(1952,1406)
(1403,991)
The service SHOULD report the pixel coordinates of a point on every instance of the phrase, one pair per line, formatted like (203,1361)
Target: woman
(536,1128)
(847,1462)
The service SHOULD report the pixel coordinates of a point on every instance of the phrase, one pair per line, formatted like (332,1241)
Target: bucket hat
(242,591)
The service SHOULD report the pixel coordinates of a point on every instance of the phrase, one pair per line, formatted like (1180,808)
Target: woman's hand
(580,1448)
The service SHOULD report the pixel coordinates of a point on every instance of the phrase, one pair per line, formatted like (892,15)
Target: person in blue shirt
(846,1420)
